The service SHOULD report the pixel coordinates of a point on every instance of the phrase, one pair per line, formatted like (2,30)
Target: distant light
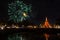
(7,27)
(13,27)
(2,28)
(30,26)
(35,26)
(57,26)
(24,14)
(16,27)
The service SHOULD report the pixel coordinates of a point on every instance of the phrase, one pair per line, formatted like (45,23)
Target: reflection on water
(15,37)
(32,36)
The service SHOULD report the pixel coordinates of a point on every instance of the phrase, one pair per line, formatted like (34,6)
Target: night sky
(40,10)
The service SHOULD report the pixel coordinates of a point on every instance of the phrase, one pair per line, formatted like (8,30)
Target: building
(46,24)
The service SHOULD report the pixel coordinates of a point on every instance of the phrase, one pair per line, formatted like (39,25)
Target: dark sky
(45,8)
(40,9)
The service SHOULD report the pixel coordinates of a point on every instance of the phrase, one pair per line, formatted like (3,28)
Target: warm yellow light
(24,14)
(2,28)
(17,27)
(7,27)
(30,26)
(34,26)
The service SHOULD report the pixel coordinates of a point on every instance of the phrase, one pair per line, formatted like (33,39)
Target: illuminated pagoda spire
(46,24)
(46,19)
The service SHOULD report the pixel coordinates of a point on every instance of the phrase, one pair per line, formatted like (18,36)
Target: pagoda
(46,24)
